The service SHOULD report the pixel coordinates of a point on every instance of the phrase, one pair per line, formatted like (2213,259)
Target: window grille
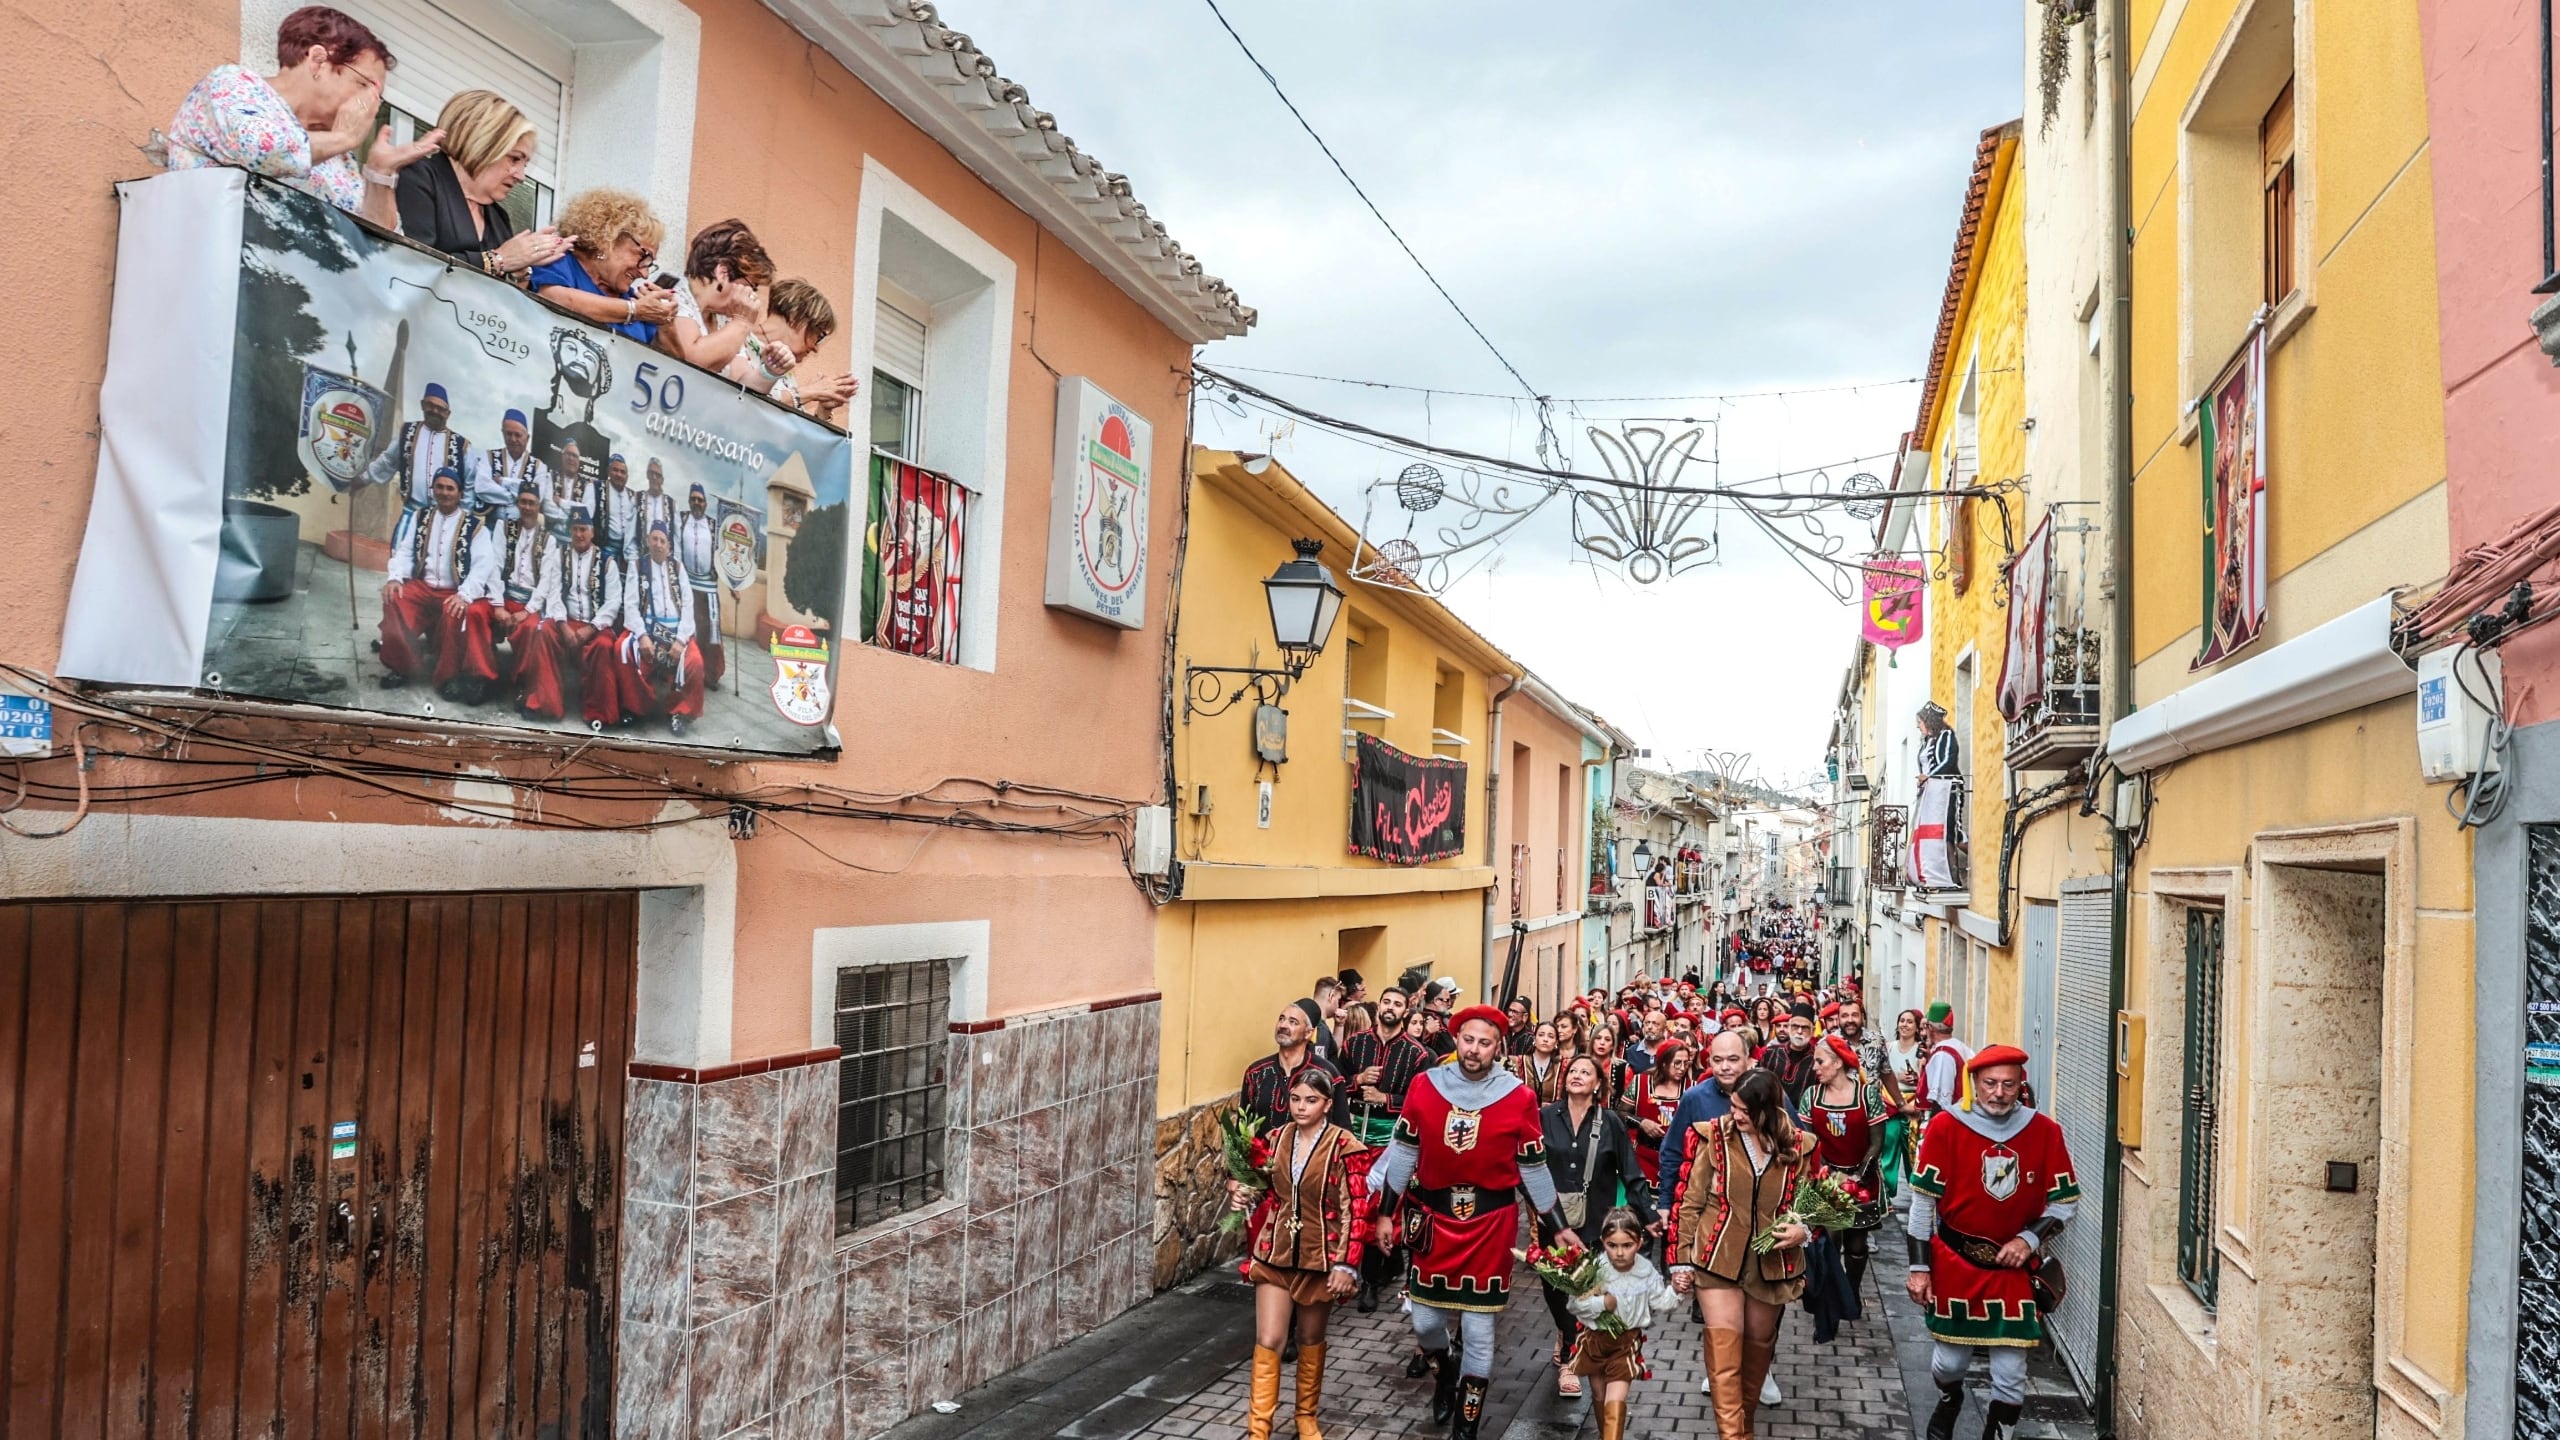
(892,1023)
(2199,1266)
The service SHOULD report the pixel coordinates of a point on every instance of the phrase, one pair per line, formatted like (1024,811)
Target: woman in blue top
(613,240)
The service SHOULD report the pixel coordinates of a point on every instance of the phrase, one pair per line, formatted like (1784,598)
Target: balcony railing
(1889,847)
(2062,727)
(1841,886)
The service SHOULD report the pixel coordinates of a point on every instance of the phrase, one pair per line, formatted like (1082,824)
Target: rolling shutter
(441,53)
(899,345)
(2083,1077)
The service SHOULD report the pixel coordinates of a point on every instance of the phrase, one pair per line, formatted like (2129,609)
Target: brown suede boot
(1724,1373)
(1266,1394)
(1613,1419)
(1755,1369)
(1310,1390)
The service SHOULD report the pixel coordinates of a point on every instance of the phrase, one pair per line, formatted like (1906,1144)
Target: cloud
(1632,199)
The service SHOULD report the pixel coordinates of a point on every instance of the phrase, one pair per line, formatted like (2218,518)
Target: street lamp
(1644,858)
(1305,600)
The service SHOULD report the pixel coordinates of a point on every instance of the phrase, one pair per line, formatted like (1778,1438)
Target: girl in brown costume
(1304,1253)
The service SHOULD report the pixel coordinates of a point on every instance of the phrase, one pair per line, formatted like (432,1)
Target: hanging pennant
(1891,615)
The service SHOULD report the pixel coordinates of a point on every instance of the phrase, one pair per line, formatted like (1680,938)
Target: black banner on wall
(1406,810)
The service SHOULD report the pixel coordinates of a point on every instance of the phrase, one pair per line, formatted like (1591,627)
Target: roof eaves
(938,79)
(1986,159)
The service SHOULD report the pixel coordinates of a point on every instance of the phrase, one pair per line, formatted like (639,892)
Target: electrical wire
(1274,82)
(2483,794)
(1577,399)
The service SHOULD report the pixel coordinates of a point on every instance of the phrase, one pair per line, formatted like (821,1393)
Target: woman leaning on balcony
(304,125)
(455,201)
(603,278)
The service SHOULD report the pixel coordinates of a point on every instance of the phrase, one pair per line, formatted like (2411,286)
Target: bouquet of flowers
(1825,1202)
(1573,1272)
(1246,1150)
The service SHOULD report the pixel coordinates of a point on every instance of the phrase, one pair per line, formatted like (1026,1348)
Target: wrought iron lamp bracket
(1211,690)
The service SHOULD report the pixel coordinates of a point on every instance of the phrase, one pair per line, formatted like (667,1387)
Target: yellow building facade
(1269,900)
(2294,1244)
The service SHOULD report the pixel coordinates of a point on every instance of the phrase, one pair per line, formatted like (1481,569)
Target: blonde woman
(455,201)
(603,277)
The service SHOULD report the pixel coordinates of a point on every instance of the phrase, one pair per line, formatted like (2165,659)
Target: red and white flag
(1932,862)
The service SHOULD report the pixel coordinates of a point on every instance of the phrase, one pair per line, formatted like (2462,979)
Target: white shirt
(1943,1079)
(657,593)
(697,542)
(427,455)
(501,473)
(567,492)
(618,520)
(533,580)
(656,508)
(580,576)
(441,571)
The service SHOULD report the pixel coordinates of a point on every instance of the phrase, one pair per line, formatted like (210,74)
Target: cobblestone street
(1176,1368)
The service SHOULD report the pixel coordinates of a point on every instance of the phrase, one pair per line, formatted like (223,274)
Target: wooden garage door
(338,1167)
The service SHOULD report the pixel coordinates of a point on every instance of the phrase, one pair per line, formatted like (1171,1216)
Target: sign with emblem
(341,426)
(2000,1173)
(735,554)
(1098,507)
(800,675)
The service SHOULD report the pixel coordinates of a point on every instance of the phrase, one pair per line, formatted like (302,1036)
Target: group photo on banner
(441,498)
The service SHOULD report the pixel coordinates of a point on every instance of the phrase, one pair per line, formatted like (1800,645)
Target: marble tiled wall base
(731,1308)
(1043,1235)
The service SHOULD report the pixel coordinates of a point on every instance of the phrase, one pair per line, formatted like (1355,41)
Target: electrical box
(2127,814)
(2129,1040)
(1151,840)
(2458,689)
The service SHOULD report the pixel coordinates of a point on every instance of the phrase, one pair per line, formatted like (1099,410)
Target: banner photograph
(440,499)
(1405,809)
(2234,425)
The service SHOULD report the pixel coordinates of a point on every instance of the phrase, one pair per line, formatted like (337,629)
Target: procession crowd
(1679,1153)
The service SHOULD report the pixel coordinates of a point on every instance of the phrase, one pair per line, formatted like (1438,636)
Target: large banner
(358,367)
(2022,661)
(1890,615)
(1405,809)
(2235,503)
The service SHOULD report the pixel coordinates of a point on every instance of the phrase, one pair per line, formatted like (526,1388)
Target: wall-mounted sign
(1098,507)
(1270,734)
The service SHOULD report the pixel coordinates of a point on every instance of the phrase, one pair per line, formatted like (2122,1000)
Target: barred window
(891,1024)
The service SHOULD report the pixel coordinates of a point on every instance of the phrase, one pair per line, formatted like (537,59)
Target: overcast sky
(1686,197)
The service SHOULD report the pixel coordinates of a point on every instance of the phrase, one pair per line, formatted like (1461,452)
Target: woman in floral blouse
(305,125)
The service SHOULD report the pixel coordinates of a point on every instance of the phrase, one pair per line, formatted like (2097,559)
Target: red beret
(1997,1055)
(1830,1010)
(1485,1013)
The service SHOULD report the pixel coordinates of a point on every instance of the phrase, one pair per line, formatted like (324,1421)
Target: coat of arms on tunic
(1462,1130)
(1999,1174)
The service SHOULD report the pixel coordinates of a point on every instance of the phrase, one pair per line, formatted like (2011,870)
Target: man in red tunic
(1993,1188)
(1467,1146)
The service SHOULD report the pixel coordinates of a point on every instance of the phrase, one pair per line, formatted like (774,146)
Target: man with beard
(1790,1056)
(436,571)
(1382,1063)
(1265,1091)
(505,471)
(1468,1146)
(1993,1188)
(524,597)
(1851,1025)
(423,448)
(698,550)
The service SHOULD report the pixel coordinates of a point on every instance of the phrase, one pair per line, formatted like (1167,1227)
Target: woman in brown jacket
(1742,1169)
(1307,1236)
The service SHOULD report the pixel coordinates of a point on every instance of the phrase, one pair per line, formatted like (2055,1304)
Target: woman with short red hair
(304,124)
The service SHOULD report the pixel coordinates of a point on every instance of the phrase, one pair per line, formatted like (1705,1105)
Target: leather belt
(1465,1202)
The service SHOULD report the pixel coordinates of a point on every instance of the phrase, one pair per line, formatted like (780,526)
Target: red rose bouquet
(1825,1202)
(1574,1272)
(1246,1151)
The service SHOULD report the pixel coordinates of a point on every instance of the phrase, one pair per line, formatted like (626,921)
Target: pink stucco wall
(2502,395)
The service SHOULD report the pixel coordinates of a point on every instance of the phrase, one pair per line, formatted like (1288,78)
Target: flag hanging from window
(1937,835)
(2234,431)
(2022,663)
(912,560)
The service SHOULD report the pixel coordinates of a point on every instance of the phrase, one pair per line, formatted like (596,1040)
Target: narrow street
(1176,1367)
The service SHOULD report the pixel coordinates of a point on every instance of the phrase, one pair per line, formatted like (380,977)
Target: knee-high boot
(1470,1407)
(1310,1389)
(1756,1355)
(1613,1419)
(1724,1378)
(1444,1385)
(1266,1393)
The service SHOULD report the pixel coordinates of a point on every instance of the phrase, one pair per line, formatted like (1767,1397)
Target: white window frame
(631,98)
(969,355)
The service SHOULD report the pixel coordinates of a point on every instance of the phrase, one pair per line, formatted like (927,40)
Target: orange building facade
(808,1089)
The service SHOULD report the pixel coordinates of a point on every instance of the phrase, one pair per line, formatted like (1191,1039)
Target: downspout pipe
(1495,758)
(2117,72)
